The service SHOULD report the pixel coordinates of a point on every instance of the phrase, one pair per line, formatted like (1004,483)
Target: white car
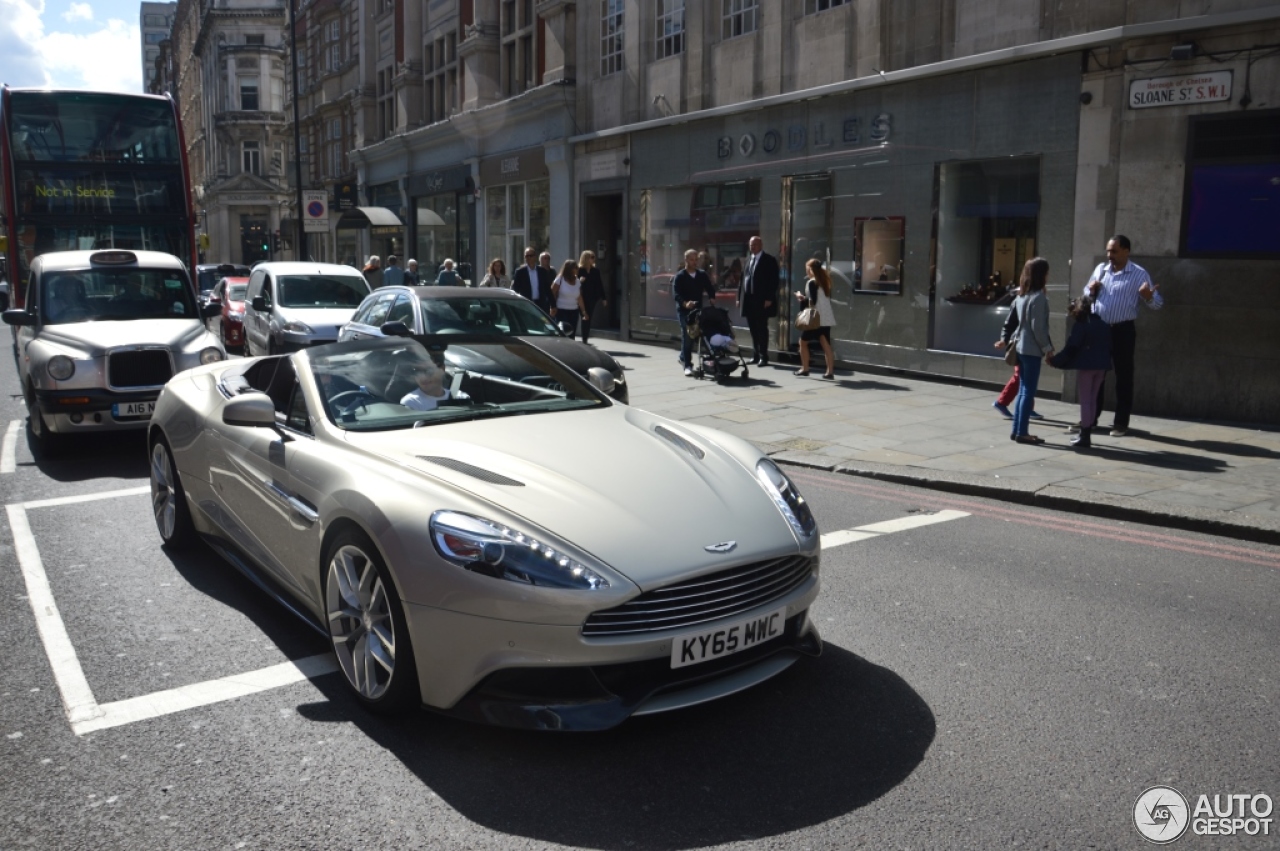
(290,306)
(100,335)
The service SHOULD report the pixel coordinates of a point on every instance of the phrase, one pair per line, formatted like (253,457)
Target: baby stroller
(718,355)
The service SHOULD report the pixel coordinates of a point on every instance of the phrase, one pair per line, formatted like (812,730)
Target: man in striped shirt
(1116,287)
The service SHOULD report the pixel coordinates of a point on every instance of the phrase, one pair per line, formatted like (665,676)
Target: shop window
(1231,204)
(718,220)
(988,213)
(878,248)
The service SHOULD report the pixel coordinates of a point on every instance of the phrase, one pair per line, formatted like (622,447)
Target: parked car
(101,333)
(458,310)
(228,294)
(292,305)
(208,275)
(522,553)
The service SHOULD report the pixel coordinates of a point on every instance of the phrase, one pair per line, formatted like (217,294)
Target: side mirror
(259,304)
(18,316)
(213,308)
(395,329)
(601,379)
(251,409)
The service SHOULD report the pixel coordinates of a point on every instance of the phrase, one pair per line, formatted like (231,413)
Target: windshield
(473,315)
(92,127)
(397,383)
(108,294)
(321,291)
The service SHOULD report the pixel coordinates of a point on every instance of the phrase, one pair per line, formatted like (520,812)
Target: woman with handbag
(817,317)
(1032,343)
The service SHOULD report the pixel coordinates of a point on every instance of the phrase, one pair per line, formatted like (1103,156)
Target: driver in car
(431,390)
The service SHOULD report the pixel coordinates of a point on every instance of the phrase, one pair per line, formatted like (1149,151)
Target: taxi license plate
(124,410)
(726,640)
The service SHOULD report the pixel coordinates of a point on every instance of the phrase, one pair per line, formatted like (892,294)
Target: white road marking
(89,497)
(888,527)
(9,452)
(181,699)
(83,711)
(77,697)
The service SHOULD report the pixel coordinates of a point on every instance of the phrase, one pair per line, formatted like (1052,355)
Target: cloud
(107,58)
(78,12)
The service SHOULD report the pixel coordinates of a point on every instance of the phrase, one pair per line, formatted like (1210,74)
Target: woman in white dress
(818,294)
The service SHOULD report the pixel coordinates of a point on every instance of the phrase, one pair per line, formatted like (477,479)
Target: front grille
(139,368)
(704,598)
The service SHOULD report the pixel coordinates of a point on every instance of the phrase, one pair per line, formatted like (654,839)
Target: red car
(229,292)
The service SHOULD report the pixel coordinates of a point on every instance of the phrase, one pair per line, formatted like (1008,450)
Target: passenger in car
(431,390)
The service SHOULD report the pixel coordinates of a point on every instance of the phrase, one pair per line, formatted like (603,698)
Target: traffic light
(275,242)
(266,246)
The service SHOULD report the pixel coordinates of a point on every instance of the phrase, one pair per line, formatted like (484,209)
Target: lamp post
(300,241)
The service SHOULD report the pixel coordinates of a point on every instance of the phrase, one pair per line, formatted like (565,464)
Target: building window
(670,28)
(156,38)
(1231,204)
(333,146)
(440,59)
(251,157)
(611,36)
(740,17)
(153,20)
(333,45)
(812,6)
(255,39)
(386,104)
(517,69)
(249,93)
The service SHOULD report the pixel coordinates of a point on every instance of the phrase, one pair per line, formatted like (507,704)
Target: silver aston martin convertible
(522,551)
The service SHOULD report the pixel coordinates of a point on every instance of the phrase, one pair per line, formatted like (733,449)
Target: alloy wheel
(361,622)
(164,498)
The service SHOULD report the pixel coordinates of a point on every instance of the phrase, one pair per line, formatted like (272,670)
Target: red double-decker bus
(91,170)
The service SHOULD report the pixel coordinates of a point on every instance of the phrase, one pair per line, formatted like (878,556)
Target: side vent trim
(472,470)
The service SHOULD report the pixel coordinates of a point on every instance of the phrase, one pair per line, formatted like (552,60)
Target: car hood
(95,338)
(323,320)
(604,481)
(577,355)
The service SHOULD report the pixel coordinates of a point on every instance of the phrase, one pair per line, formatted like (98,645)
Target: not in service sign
(1207,87)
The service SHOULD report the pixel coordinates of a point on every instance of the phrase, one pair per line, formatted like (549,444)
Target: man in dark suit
(532,281)
(758,297)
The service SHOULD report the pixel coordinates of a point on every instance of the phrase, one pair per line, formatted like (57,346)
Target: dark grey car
(479,310)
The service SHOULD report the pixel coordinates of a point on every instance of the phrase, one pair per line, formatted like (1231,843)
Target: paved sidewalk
(1192,475)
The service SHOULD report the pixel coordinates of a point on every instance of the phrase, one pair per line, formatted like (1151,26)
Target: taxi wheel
(367,625)
(50,443)
(168,502)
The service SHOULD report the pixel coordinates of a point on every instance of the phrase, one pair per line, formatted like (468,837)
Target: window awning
(360,218)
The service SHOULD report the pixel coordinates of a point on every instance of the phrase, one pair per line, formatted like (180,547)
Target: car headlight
(211,355)
(494,549)
(60,367)
(296,327)
(787,498)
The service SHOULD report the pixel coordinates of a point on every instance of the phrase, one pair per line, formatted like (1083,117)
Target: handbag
(1011,354)
(808,319)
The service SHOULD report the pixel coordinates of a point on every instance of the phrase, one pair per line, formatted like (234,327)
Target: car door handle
(305,511)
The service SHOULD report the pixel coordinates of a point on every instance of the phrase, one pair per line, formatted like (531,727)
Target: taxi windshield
(92,295)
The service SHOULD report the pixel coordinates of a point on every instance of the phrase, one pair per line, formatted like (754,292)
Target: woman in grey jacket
(1033,343)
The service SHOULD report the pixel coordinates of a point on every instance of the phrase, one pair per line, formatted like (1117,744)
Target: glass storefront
(987,216)
(516,215)
(385,241)
(444,231)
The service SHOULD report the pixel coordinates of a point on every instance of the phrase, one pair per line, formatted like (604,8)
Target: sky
(68,44)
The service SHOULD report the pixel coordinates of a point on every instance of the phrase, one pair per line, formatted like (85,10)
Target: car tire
(168,500)
(367,625)
(50,444)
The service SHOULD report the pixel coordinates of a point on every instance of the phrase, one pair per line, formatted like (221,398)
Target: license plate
(124,410)
(726,640)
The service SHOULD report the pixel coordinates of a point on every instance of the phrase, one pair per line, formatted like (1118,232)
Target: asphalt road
(993,677)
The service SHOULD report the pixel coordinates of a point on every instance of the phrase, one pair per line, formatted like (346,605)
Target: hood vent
(472,470)
(683,443)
